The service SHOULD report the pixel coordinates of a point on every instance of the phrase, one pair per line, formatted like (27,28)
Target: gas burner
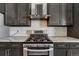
(38,38)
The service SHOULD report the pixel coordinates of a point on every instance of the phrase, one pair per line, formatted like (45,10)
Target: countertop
(53,38)
(14,39)
(63,39)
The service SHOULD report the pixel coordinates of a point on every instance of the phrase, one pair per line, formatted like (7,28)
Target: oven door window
(36,52)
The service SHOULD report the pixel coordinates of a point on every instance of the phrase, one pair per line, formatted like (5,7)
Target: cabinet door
(60,52)
(69,14)
(14,51)
(61,14)
(2,51)
(2,7)
(53,11)
(16,14)
(23,11)
(73,52)
(66,14)
(11,15)
(74,49)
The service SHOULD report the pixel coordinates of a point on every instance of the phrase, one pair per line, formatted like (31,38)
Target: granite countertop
(14,39)
(63,39)
(52,38)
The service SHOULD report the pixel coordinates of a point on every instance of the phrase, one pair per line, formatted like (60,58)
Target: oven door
(38,52)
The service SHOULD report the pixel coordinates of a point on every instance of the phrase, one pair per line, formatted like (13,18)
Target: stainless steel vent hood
(38,11)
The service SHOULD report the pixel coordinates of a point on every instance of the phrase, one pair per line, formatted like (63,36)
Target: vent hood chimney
(38,11)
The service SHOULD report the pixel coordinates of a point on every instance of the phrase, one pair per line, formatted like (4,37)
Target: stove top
(38,38)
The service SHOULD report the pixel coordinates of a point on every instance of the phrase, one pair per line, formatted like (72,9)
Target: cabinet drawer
(4,44)
(74,45)
(60,45)
(10,45)
(15,45)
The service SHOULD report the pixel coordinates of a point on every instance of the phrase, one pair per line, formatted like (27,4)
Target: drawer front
(15,45)
(60,45)
(10,45)
(4,44)
(74,45)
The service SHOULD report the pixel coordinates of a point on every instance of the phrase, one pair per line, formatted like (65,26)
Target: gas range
(38,38)
(38,45)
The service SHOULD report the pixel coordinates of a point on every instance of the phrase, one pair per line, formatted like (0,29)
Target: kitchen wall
(4,30)
(38,25)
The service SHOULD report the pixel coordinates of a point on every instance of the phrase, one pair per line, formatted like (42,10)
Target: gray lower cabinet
(73,49)
(66,49)
(61,14)
(2,51)
(11,49)
(73,52)
(60,49)
(15,14)
(60,52)
(14,51)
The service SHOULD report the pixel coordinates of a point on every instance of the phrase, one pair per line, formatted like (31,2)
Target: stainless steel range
(38,38)
(38,45)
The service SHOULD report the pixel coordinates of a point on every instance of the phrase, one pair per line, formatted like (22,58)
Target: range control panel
(38,45)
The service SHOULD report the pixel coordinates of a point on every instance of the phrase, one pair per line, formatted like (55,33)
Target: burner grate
(38,38)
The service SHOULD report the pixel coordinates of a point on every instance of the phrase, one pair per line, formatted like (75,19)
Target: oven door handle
(38,50)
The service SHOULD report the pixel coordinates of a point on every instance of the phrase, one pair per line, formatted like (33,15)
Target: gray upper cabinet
(60,14)
(74,31)
(53,10)
(11,15)
(23,11)
(69,14)
(2,8)
(16,14)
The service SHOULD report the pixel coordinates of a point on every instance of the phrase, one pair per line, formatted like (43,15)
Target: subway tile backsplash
(35,25)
